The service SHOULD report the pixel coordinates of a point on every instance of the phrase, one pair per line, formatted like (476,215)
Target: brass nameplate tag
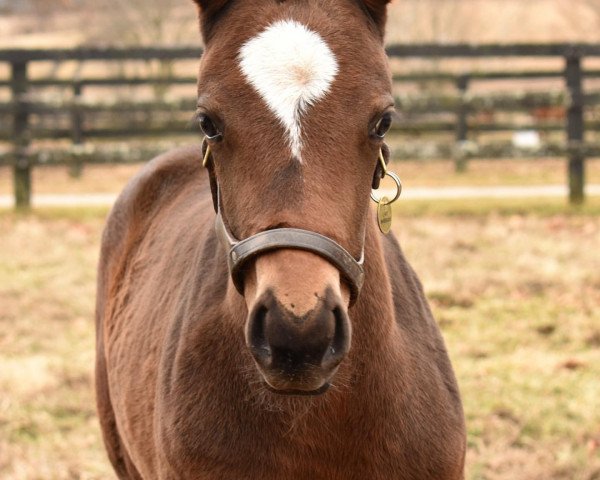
(384,215)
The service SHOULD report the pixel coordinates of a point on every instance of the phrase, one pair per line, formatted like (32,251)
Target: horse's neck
(373,316)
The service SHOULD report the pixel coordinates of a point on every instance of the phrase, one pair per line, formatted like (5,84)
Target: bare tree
(583,17)
(43,7)
(33,7)
(437,21)
(142,22)
(34,15)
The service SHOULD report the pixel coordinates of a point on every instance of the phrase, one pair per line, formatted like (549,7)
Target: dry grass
(516,295)
(48,428)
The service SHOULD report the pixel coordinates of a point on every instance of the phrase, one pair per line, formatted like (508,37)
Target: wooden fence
(92,130)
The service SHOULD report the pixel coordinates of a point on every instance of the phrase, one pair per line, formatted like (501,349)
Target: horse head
(294,105)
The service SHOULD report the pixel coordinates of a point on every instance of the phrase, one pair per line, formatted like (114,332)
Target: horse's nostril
(340,343)
(257,340)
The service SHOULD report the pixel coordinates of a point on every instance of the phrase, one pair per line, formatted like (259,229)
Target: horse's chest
(319,450)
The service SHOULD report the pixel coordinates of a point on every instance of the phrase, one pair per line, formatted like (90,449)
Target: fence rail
(33,117)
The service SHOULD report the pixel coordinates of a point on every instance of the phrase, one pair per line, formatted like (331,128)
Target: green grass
(516,295)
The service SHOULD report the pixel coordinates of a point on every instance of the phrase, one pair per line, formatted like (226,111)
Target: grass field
(517,296)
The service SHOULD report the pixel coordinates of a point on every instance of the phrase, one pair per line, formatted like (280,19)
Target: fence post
(460,160)
(575,128)
(21,166)
(76,167)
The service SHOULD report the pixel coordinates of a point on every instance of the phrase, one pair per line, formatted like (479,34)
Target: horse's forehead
(291,67)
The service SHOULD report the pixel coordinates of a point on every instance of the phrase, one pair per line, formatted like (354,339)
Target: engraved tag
(384,215)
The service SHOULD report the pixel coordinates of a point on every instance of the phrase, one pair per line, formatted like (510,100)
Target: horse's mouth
(304,393)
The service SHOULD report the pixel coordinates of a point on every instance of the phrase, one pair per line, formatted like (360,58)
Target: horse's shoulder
(154,187)
(166,174)
(150,188)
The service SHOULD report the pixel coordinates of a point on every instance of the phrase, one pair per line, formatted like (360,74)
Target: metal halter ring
(393,176)
(396,179)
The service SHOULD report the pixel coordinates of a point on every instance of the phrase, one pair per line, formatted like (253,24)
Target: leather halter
(241,252)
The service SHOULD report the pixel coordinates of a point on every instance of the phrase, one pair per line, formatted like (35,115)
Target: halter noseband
(240,252)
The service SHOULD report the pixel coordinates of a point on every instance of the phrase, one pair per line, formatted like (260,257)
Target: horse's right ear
(208,10)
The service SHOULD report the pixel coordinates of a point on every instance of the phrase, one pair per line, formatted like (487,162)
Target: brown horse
(264,359)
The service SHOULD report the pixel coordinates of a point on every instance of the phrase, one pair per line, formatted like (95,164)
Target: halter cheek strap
(208,164)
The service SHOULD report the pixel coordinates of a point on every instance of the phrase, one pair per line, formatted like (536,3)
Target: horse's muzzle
(298,354)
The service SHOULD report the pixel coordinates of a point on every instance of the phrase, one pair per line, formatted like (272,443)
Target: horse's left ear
(377,11)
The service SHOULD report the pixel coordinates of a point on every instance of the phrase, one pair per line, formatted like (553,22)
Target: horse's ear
(210,6)
(377,10)
(209,10)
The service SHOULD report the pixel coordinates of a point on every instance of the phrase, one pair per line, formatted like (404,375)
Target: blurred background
(60,23)
(496,142)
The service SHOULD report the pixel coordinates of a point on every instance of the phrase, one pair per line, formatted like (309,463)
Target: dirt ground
(516,295)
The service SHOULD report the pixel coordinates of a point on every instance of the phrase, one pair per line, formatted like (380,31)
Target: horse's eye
(383,125)
(208,127)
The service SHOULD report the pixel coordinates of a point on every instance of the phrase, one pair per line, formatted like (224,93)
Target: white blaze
(291,67)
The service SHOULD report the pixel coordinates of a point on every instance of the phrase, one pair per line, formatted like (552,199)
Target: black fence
(77,125)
